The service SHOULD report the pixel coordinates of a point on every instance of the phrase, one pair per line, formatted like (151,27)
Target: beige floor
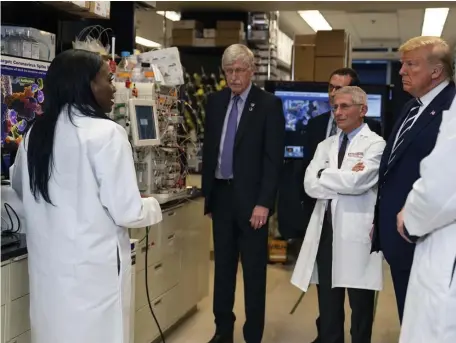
(281,327)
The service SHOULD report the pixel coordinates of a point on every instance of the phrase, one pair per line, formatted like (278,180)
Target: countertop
(20,248)
(15,250)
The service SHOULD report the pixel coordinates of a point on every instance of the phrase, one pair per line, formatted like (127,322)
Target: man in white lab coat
(430,213)
(343,177)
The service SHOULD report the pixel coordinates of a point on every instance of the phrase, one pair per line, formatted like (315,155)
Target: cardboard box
(182,41)
(101,8)
(331,43)
(277,250)
(324,66)
(230,33)
(304,39)
(304,59)
(82,4)
(209,33)
(230,25)
(188,24)
(186,33)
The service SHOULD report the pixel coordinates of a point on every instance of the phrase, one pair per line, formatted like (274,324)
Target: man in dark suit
(426,74)
(321,127)
(242,159)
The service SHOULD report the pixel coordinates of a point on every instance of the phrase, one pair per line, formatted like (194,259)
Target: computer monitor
(293,151)
(144,122)
(300,107)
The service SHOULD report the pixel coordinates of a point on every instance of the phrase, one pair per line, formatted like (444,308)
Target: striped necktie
(406,126)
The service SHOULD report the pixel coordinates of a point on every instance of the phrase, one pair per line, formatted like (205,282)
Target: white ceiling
(370,28)
(371,23)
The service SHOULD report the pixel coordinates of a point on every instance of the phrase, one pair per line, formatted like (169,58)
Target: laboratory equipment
(144,122)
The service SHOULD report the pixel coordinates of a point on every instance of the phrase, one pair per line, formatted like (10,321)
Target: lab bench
(178,274)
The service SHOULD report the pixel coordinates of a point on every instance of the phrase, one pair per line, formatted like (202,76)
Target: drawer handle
(158,302)
(158,266)
(171,214)
(171,236)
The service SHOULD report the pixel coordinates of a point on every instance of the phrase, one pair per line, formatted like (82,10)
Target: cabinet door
(3,333)
(19,317)
(5,283)
(19,278)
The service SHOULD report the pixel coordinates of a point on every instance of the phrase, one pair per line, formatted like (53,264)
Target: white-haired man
(242,159)
(343,177)
(427,71)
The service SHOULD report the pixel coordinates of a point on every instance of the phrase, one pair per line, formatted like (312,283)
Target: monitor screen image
(146,122)
(300,107)
(292,151)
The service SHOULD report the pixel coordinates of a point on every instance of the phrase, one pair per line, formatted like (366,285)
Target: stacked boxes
(192,33)
(317,56)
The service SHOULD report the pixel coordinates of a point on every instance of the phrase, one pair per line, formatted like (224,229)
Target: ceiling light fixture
(434,21)
(315,20)
(173,16)
(146,42)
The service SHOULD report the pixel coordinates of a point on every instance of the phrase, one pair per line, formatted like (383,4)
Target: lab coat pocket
(357,227)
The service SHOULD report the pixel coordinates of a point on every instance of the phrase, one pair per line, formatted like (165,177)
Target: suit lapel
(432,111)
(247,113)
(389,146)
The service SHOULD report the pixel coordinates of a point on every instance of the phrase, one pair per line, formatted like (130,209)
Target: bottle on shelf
(148,72)
(123,71)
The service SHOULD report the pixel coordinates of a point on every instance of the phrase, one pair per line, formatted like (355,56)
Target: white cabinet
(178,272)
(15,301)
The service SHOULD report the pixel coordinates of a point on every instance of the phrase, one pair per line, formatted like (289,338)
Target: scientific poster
(22,95)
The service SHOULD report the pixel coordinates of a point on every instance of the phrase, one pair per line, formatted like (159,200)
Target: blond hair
(439,51)
(238,52)
(359,96)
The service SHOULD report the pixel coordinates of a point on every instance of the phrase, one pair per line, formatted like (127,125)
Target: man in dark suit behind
(426,74)
(242,159)
(321,127)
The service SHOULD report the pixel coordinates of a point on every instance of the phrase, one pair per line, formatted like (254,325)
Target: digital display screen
(300,107)
(292,151)
(146,122)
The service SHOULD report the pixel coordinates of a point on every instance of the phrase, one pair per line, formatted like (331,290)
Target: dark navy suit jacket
(396,179)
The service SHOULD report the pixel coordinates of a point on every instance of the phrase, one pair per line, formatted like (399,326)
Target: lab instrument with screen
(144,122)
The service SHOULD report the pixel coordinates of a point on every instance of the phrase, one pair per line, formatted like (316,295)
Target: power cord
(11,230)
(147,288)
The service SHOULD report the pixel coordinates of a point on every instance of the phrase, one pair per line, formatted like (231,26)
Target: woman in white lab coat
(75,175)
(430,213)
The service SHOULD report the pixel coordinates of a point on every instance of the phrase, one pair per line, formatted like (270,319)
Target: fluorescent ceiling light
(173,16)
(315,20)
(434,20)
(146,42)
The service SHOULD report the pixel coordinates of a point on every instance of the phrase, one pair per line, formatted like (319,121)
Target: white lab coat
(430,212)
(353,197)
(76,293)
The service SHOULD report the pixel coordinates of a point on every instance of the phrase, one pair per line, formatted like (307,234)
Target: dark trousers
(234,237)
(331,301)
(400,281)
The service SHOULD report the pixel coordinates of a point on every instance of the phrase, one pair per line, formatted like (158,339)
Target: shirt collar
(244,94)
(353,133)
(427,98)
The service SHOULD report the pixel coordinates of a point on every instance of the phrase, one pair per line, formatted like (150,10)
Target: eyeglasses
(344,107)
(230,71)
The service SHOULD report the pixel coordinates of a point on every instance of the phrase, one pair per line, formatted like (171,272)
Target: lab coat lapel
(248,113)
(334,151)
